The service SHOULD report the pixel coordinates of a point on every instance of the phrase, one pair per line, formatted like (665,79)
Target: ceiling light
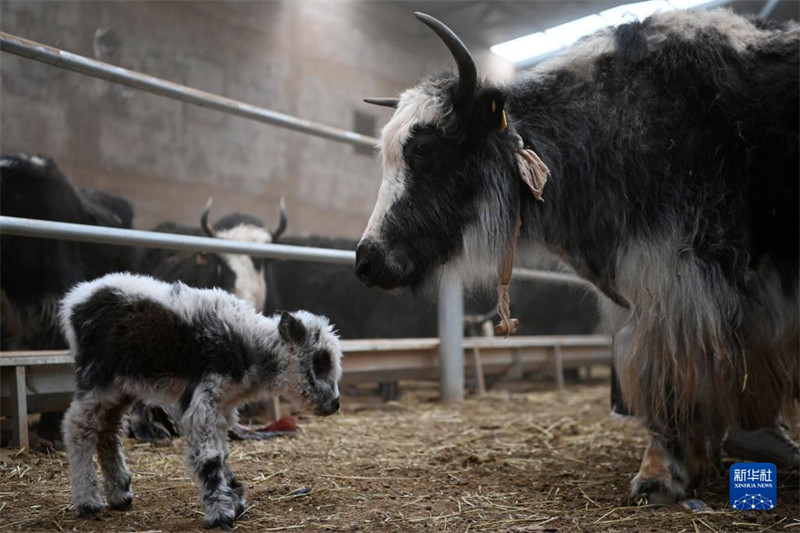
(537,45)
(568,33)
(688,4)
(633,12)
(533,45)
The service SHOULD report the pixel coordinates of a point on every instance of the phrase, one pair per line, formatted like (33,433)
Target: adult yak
(672,148)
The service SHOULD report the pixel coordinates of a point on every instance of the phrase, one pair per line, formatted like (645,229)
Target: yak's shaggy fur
(673,150)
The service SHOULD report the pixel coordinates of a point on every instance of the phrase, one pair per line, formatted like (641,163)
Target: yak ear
(291,329)
(489,111)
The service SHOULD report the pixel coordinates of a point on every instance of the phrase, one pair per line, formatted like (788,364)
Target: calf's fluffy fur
(204,350)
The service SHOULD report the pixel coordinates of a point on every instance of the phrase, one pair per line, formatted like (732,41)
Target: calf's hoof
(223,522)
(88,511)
(240,505)
(125,504)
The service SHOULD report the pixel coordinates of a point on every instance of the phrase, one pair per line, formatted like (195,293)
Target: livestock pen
(449,345)
(521,458)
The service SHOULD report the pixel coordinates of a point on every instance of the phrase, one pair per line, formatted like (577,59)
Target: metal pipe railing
(26,227)
(98,69)
(49,229)
(526,274)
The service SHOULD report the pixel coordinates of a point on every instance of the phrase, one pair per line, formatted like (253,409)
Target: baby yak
(204,350)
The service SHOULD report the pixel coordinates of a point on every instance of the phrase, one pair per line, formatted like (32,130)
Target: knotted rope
(534,174)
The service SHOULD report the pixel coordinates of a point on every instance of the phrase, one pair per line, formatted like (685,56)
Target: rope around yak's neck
(533,173)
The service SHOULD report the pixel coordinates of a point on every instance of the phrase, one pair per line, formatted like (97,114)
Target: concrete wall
(313,60)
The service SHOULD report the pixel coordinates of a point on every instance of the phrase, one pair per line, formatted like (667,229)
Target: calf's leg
(81,428)
(112,461)
(205,427)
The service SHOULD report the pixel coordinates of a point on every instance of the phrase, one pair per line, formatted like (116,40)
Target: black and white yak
(203,350)
(672,148)
(240,274)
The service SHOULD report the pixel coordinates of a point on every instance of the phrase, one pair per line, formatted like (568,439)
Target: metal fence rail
(98,69)
(26,227)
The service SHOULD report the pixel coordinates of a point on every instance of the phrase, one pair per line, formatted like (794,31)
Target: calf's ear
(291,329)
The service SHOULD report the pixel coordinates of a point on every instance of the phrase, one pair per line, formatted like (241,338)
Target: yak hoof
(88,511)
(126,504)
(655,492)
(223,522)
(240,506)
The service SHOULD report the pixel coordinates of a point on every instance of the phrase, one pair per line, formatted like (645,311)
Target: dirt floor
(517,459)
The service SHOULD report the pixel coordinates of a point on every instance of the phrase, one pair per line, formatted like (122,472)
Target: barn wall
(313,60)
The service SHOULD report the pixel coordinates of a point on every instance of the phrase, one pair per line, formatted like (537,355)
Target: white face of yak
(441,198)
(251,284)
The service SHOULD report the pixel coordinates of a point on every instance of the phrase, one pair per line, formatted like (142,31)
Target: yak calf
(204,350)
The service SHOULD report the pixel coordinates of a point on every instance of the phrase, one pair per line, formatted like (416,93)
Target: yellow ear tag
(494,106)
(503,122)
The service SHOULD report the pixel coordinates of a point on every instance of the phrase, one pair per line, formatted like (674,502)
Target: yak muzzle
(379,267)
(328,410)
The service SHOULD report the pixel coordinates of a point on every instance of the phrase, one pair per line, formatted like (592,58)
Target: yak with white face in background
(672,149)
(240,274)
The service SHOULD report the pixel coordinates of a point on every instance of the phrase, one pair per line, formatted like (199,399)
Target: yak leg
(232,420)
(760,436)
(671,467)
(81,429)
(116,475)
(767,444)
(205,427)
(662,476)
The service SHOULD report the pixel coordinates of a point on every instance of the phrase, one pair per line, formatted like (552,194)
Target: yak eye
(421,149)
(322,363)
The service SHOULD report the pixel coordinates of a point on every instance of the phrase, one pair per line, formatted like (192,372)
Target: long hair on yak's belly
(701,353)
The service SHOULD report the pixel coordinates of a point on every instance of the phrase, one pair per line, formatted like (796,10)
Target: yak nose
(368,262)
(329,409)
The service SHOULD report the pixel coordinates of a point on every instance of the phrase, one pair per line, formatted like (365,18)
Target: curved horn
(384,102)
(467,72)
(204,219)
(281,222)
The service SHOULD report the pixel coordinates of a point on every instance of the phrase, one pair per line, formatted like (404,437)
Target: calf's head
(315,361)
(449,179)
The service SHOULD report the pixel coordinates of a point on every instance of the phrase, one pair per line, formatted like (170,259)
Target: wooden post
(273,404)
(480,383)
(514,371)
(559,365)
(19,409)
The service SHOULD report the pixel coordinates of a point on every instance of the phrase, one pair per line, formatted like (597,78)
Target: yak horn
(384,102)
(204,218)
(467,72)
(281,221)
